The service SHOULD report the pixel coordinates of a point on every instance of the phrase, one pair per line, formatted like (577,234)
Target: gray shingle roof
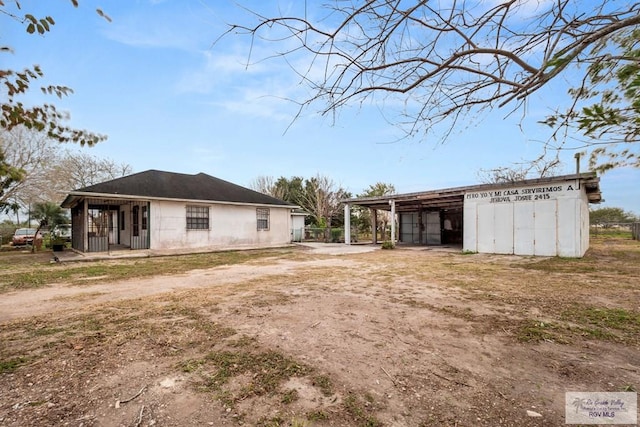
(170,185)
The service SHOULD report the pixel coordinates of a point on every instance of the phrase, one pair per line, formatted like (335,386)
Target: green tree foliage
(45,118)
(611,215)
(47,170)
(363,216)
(42,118)
(9,175)
(611,90)
(291,190)
(319,196)
(379,189)
(48,214)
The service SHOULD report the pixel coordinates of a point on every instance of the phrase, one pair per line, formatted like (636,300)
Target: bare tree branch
(440,61)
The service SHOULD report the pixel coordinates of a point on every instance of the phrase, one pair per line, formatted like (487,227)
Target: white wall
(297,228)
(548,220)
(230,226)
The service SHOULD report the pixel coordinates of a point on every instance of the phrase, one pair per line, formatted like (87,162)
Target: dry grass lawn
(290,337)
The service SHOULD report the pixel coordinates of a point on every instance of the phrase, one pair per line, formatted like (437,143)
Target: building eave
(75,197)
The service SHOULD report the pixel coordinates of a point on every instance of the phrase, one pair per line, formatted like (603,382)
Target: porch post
(347,224)
(85,225)
(374,226)
(393,221)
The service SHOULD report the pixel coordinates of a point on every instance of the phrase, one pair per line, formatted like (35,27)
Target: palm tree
(47,214)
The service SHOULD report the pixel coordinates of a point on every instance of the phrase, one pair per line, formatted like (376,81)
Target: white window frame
(263,221)
(193,215)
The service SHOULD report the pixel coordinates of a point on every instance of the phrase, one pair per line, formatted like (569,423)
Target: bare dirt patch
(384,338)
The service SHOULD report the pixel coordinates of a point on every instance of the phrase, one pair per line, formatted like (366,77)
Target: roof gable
(170,185)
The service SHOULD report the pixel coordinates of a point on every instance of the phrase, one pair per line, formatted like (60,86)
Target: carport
(424,218)
(544,216)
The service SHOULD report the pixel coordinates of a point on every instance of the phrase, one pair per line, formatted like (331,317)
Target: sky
(170,95)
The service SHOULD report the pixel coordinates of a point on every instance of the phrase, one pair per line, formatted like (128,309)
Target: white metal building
(546,216)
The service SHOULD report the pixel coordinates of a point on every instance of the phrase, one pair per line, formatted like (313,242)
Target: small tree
(47,214)
(383,218)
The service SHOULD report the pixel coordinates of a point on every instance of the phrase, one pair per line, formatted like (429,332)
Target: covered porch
(108,224)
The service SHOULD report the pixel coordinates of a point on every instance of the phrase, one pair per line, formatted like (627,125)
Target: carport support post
(347,224)
(374,225)
(393,221)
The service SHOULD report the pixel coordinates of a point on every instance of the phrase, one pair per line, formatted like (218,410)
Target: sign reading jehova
(525,194)
(547,219)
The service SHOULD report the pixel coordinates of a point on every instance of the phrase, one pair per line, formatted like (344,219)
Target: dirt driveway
(372,338)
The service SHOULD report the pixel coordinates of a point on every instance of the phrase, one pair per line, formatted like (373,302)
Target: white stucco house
(166,211)
(545,216)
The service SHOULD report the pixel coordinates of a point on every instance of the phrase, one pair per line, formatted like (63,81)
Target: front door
(140,226)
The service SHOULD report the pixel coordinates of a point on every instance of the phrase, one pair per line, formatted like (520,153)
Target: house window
(197,217)
(122,217)
(262,215)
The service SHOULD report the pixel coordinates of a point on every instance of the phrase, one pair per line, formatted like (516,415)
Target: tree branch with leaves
(46,118)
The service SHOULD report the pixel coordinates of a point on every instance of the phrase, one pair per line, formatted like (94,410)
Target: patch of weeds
(40,332)
(369,398)
(267,371)
(226,398)
(196,319)
(18,281)
(215,330)
(243,341)
(388,244)
(189,366)
(563,265)
(324,383)
(317,415)
(10,365)
(468,252)
(92,324)
(538,331)
(290,396)
(278,421)
(597,322)
(411,302)
(616,318)
(267,299)
(597,333)
(359,413)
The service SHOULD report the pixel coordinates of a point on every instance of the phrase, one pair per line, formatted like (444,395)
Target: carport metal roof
(453,198)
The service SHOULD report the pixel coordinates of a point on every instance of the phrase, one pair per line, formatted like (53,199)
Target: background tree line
(321,198)
(48,170)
